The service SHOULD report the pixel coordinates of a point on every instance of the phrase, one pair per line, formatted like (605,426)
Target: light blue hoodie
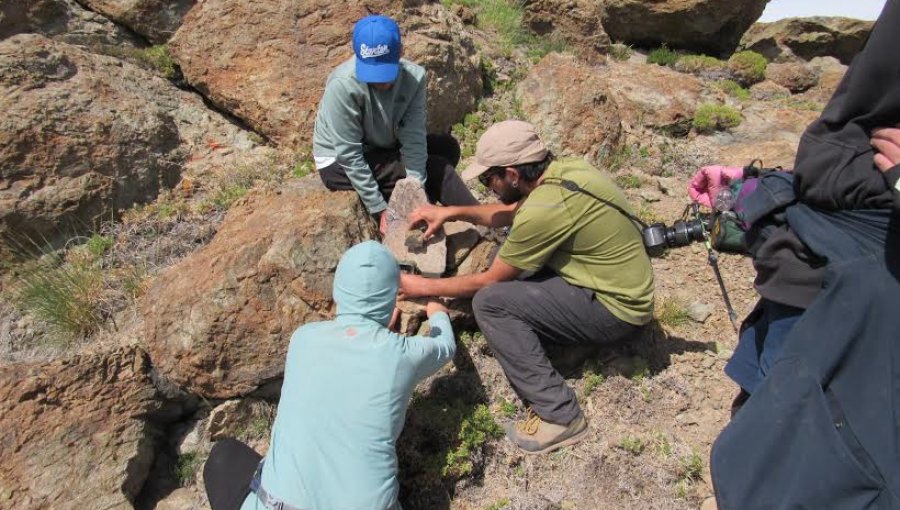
(347,384)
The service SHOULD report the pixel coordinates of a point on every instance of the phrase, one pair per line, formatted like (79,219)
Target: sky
(860,9)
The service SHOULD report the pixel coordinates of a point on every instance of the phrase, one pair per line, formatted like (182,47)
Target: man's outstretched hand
(886,142)
(433,216)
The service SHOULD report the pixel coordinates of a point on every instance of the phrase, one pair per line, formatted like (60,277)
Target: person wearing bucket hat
(370,126)
(591,283)
(347,384)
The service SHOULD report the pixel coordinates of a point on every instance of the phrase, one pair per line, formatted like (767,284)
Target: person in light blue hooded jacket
(347,384)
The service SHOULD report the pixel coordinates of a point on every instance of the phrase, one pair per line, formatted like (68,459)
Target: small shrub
(733,89)
(662,56)
(186,466)
(158,58)
(662,445)
(620,52)
(98,245)
(711,117)
(628,181)
(747,67)
(592,381)
(632,445)
(690,467)
(699,64)
(474,431)
(672,312)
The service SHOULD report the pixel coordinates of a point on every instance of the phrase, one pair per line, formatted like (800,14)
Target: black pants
(517,316)
(442,183)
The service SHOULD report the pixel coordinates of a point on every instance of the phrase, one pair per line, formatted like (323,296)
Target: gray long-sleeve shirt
(354,118)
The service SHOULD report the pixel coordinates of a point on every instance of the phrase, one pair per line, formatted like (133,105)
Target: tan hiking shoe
(535,435)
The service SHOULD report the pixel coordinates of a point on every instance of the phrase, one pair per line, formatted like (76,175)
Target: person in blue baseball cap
(370,126)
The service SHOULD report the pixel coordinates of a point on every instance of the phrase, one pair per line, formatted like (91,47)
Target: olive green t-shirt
(586,242)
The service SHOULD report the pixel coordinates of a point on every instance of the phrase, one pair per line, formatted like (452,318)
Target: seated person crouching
(347,384)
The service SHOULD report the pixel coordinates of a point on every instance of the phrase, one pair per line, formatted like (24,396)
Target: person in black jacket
(820,428)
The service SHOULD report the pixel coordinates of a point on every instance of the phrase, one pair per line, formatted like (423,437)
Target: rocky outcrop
(570,107)
(582,110)
(807,38)
(218,323)
(85,136)
(577,22)
(80,433)
(794,76)
(702,26)
(62,20)
(156,20)
(81,139)
(266,62)
(766,133)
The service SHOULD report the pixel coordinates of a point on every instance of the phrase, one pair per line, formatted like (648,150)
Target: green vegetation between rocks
(505,18)
(499,505)
(628,181)
(733,89)
(697,64)
(747,67)
(592,381)
(662,56)
(713,117)
(185,469)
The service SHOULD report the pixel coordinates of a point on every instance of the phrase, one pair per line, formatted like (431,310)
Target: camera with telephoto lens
(658,237)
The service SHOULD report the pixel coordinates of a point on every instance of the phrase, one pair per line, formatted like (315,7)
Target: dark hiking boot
(535,435)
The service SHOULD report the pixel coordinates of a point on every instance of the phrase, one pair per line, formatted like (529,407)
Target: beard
(510,195)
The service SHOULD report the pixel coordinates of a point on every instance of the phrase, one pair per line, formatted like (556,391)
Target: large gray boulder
(266,62)
(807,38)
(702,26)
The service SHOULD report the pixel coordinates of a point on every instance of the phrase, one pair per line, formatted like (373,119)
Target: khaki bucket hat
(507,143)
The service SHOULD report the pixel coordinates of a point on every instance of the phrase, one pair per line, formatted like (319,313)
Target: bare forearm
(455,286)
(488,215)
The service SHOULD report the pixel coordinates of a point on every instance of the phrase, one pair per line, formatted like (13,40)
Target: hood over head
(366,282)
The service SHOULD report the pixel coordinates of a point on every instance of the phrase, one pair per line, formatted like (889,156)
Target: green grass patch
(632,445)
(690,467)
(159,58)
(672,312)
(66,296)
(662,56)
(302,168)
(733,89)
(713,117)
(259,426)
(747,67)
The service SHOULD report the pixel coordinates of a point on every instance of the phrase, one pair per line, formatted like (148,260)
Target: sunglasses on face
(485,178)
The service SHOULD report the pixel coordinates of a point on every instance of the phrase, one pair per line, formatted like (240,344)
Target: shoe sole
(577,438)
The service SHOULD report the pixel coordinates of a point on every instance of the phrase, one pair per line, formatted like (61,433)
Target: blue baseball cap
(376,42)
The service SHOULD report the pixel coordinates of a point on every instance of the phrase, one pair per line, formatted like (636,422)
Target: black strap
(571,186)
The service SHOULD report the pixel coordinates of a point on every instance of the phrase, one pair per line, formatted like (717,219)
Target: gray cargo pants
(517,316)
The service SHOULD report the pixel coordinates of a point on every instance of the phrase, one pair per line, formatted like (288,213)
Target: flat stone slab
(429,257)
